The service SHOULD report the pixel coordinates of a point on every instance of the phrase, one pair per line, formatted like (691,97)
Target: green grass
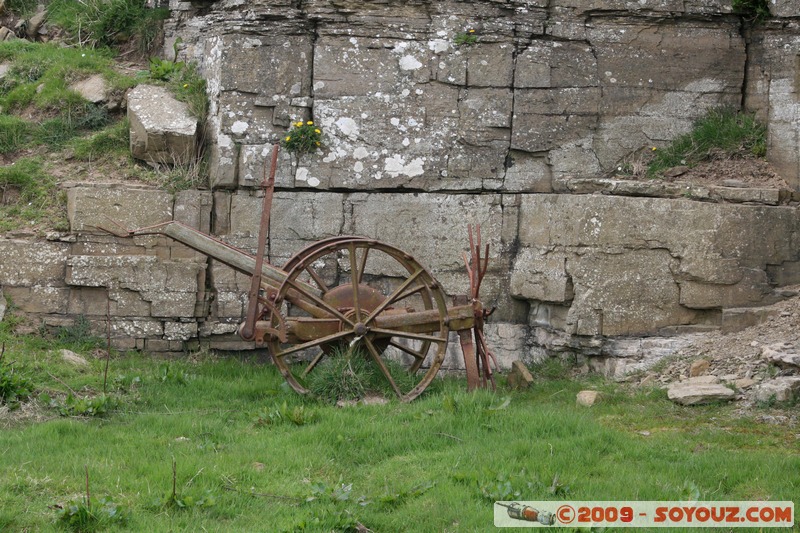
(251,455)
(722,131)
(108,23)
(35,196)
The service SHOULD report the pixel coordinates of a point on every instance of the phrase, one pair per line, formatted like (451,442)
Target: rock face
(162,129)
(546,90)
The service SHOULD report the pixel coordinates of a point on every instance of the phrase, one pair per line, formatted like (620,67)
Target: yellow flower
(185,85)
(310,122)
(288,139)
(317,143)
(654,148)
(317,130)
(298,124)
(471,30)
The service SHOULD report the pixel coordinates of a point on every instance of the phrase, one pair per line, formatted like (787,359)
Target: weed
(169,374)
(465,38)
(79,335)
(303,138)
(174,500)
(82,516)
(721,131)
(753,10)
(23,8)
(14,387)
(75,406)
(393,499)
(297,415)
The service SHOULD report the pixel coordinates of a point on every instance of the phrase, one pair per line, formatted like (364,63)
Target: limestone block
(272,65)
(145,274)
(229,305)
(751,290)
(193,208)
(619,294)
(490,65)
(298,219)
(27,263)
(182,331)
(526,172)
(255,162)
(430,227)
(131,208)
(139,328)
(171,303)
(547,118)
(246,119)
(223,161)
(587,398)
(556,64)
(39,299)
(162,129)
(541,275)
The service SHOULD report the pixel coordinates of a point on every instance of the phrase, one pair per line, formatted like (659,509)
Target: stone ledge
(677,189)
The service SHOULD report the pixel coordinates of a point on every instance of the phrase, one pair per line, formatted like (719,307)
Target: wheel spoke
(393,297)
(409,292)
(363,264)
(354,277)
(319,301)
(317,279)
(314,362)
(311,344)
(376,356)
(413,353)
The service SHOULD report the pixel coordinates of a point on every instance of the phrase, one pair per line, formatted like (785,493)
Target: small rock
(644,433)
(587,398)
(73,358)
(519,377)
(93,88)
(733,183)
(35,23)
(182,439)
(699,367)
(648,380)
(686,393)
(729,378)
(744,383)
(674,172)
(374,399)
(5,33)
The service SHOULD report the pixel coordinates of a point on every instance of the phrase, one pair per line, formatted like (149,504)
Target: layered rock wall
(423,135)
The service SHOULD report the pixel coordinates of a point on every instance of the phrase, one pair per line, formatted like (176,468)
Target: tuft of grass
(29,196)
(108,23)
(14,387)
(351,375)
(112,141)
(14,134)
(721,131)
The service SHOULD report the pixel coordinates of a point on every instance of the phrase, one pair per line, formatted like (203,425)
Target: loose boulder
(782,389)
(163,131)
(699,391)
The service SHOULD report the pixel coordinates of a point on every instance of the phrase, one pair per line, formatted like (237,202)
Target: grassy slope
(434,465)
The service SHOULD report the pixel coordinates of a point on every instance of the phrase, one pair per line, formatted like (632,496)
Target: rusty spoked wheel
(366,295)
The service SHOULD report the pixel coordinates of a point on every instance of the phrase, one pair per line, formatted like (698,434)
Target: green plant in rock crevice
(754,10)
(304,137)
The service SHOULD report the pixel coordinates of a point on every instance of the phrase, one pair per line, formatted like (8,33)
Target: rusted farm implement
(350,291)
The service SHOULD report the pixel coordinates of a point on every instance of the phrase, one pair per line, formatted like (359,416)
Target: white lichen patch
(410,62)
(239,127)
(348,127)
(396,166)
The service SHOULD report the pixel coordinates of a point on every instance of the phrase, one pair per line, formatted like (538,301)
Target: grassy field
(220,444)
